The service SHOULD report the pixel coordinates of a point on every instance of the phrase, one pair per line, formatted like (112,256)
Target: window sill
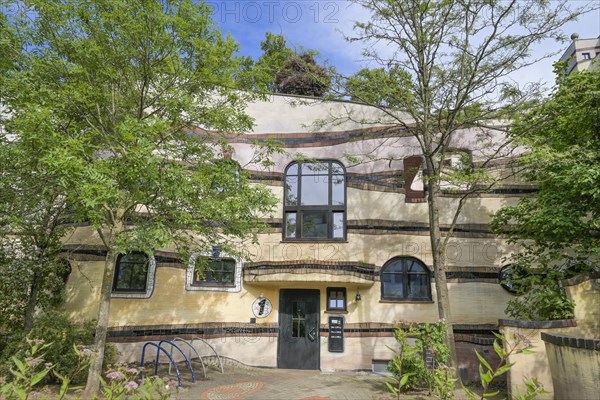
(314,241)
(408,301)
(336,311)
(213,285)
(128,291)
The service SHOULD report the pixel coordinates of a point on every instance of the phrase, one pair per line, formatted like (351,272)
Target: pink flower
(116,375)
(34,362)
(132,371)
(131,385)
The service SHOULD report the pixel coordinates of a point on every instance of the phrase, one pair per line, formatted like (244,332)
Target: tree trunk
(93,379)
(439,270)
(31,302)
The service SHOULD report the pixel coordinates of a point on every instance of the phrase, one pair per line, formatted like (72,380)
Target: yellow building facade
(345,258)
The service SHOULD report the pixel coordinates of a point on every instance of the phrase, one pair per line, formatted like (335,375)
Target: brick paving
(278,384)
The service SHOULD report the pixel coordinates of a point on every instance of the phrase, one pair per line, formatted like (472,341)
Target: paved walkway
(277,384)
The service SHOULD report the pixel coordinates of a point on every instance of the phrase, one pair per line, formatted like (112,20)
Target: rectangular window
(131,273)
(290,225)
(338,225)
(214,271)
(314,205)
(298,319)
(314,225)
(586,56)
(336,299)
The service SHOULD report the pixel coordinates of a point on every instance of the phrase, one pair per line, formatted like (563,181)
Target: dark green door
(298,344)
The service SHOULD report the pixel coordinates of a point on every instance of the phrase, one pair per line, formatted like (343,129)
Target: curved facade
(346,257)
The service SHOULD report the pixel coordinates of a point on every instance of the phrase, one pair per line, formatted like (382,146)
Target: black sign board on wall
(336,334)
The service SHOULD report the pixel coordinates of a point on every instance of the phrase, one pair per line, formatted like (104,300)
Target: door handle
(312,335)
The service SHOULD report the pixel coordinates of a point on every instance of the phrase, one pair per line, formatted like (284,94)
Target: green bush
(61,334)
(409,360)
(28,373)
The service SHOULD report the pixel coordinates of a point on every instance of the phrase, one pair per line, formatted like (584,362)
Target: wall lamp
(358,297)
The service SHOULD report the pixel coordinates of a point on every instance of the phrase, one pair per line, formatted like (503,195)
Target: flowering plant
(119,383)
(123,382)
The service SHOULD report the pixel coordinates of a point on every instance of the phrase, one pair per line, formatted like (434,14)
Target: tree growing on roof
(113,89)
(445,68)
(300,74)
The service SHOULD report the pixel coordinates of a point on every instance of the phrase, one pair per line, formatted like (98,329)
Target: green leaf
(391,388)
(19,364)
(64,387)
(18,374)
(492,394)
(470,394)
(483,360)
(503,369)
(499,350)
(20,392)
(39,376)
(404,379)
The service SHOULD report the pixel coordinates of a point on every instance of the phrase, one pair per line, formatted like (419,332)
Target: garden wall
(575,366)
(527,334)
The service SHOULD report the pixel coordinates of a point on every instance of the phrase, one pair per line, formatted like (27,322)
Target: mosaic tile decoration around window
(149,284)
(189,275)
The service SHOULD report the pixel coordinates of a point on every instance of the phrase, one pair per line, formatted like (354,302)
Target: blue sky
(320,24)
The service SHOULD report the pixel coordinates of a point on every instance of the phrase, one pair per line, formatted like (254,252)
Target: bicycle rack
(212,348)
(191,347)
(188,358)
(171,358)
(158,349)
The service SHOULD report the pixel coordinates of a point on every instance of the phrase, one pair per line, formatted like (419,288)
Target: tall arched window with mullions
(315,201)
(405,279)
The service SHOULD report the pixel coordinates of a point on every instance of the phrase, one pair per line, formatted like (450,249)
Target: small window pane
(337,190)
(318,168)
(314,225)
(395,266)
(292,169)
(412,266)
(417,286)
(337,169)
(393,288)
(290,225)
(291,190)
(315,191)
(338,225)
(298,319)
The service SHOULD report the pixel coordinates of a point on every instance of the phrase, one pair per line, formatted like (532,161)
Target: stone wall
(527,335)
(575,366)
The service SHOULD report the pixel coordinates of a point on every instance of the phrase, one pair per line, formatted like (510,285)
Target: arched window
(315,201)
(405,279)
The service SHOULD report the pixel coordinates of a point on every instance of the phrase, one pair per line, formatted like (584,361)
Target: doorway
(298,344)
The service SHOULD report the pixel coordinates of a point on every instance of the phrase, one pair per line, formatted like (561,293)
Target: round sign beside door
(262,307)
